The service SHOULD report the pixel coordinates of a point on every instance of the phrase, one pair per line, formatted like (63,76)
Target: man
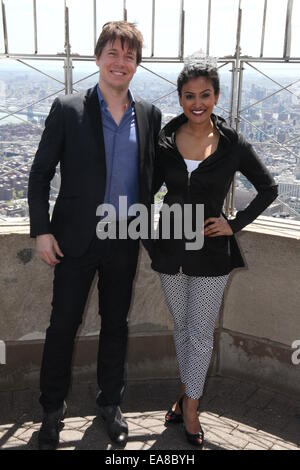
(105,144)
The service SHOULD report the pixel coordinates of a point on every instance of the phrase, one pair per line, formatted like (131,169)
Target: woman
(198,155)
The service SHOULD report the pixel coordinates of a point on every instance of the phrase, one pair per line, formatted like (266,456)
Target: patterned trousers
(194,302)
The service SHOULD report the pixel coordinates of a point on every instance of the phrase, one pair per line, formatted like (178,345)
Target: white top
(192,164)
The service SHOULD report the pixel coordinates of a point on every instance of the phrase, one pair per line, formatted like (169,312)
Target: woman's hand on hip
(217,226)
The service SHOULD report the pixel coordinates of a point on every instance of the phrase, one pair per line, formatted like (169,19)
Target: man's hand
(47,247)
(216,226)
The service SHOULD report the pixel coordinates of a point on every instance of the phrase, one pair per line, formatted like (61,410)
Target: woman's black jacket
(208,185)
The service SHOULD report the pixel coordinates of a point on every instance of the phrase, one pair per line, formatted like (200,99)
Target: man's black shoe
(116,425)
(51,426)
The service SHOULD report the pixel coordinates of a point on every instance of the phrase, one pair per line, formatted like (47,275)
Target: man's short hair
(126,32)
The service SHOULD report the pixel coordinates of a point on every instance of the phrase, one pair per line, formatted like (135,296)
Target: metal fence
(237,62)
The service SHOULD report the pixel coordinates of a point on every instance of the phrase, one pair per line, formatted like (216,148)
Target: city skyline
(268,119)
(277,119)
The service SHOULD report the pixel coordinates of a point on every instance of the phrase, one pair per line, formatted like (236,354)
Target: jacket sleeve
(157,124)
(43,169)
(155,117)
(158,175)
(257,173)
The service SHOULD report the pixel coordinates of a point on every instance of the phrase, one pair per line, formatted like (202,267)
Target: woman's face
(198,99)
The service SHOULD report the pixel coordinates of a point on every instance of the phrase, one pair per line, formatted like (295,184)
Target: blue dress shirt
(121,154)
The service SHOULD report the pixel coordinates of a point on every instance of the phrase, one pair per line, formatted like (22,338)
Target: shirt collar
(102,101)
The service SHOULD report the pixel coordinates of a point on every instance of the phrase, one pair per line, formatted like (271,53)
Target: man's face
(117,65)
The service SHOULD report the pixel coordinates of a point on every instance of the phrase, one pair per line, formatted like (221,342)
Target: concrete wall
(261,317)
(258,322)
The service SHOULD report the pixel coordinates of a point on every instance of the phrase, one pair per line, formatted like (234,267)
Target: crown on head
(201,60)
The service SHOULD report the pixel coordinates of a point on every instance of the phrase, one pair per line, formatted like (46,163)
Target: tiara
(201,60)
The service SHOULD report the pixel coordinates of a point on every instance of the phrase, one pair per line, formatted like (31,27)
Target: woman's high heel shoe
(194,439)
(173,418)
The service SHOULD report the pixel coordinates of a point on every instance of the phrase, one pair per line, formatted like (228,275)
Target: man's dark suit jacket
(73,137)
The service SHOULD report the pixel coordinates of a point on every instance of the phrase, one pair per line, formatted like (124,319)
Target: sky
(50,18)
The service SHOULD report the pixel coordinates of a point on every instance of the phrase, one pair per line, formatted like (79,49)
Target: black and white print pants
(194,302)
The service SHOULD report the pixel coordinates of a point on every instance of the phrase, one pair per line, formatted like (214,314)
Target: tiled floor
(233,414)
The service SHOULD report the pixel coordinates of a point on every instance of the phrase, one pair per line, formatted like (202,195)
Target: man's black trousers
(115,260)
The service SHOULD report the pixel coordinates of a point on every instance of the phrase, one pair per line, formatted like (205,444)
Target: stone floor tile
(251,446)
(267,419)
(245,428)
(214,442)
(25,434)
(284,447)
(233,423)
(267,435)
(290,432)
(70,435)
(284,404)
(74,423)
(254,438)
(222,406)
(66,448)
(136,445)
(260,399)
(13,444)
(212,421)
(226,439)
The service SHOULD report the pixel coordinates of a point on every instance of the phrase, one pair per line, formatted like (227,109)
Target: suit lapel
(94,113)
